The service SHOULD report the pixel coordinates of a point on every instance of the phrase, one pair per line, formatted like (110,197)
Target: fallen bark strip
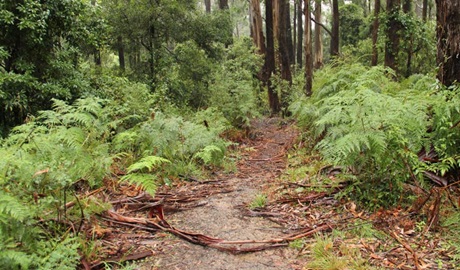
(235,247)
(408,248)
(121,258)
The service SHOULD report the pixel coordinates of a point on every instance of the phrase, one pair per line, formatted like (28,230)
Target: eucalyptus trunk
(269,66)
(448,36)
(375,33)
(335,28)
(308,50)
(393,28)
(300,33)
(318,36)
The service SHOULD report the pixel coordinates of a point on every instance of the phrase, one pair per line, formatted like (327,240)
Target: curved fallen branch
(235,247)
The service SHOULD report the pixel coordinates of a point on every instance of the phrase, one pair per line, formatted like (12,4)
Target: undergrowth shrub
(375,127)
(234,89)
(42,161)
(180,141)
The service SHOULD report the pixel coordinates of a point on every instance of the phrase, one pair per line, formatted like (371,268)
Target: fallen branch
(235,247)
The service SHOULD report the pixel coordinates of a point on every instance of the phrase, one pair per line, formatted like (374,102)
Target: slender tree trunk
(299,33)
(393,27)
(121,53)
(448,36)
(223,4)
(318,37)
(308,50)
(207,4)
(294,48)
(256,26)
(283,41)
(335,28)
(407,8)
(269,66)
(97,52)
(424,10)
(375,33)
(289,33)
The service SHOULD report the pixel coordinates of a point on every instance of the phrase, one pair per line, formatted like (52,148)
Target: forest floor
(262,216)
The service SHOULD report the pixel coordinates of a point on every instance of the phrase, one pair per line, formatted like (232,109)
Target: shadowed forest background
(154,92)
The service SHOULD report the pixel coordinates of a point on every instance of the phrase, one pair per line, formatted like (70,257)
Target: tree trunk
(335,28)
(424,10)
(269,66)
(256,26)
(393,27)
(97,52)
(290,44)
(318,37)
(299,33)
(308,50)
(121,53)
(223,4)
(283,41)
(207,4)
(375,33)
(448,36)
(407,8)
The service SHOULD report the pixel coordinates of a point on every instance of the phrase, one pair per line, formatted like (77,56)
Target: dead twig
(408,248)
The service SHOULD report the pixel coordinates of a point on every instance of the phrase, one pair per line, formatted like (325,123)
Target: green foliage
(326,257)
(258,202)
(352,24)
(189,76)
(42,160)
(376,128)
(233,90)
(139,173)
(174,139)
(41,42)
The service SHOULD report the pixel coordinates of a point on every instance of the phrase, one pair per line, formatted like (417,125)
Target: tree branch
(323,26)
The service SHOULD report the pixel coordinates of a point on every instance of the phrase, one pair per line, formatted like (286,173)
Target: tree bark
(290,45)
(318,38)
(121,53)
(393,27)
(223,4)
(256,26)
(424,10)
(335,28)
(283,42)
(269,66)
(207,4)
(308,50)
(299,33)
(375,33)
(407,8)
(448,40)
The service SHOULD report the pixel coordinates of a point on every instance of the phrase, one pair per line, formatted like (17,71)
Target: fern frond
(211,154)
(147,164)
(12,259)
(144,180)
(12,208)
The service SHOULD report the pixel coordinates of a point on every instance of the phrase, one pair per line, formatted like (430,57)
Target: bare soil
(222,215)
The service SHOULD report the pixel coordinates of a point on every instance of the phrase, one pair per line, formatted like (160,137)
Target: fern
(140,173)
(211,154)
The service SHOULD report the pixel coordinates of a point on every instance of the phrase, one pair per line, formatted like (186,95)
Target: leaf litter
(208,224)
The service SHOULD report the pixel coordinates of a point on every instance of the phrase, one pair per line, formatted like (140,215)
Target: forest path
(222,215)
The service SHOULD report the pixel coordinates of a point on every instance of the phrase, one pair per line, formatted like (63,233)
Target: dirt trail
(222,215)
